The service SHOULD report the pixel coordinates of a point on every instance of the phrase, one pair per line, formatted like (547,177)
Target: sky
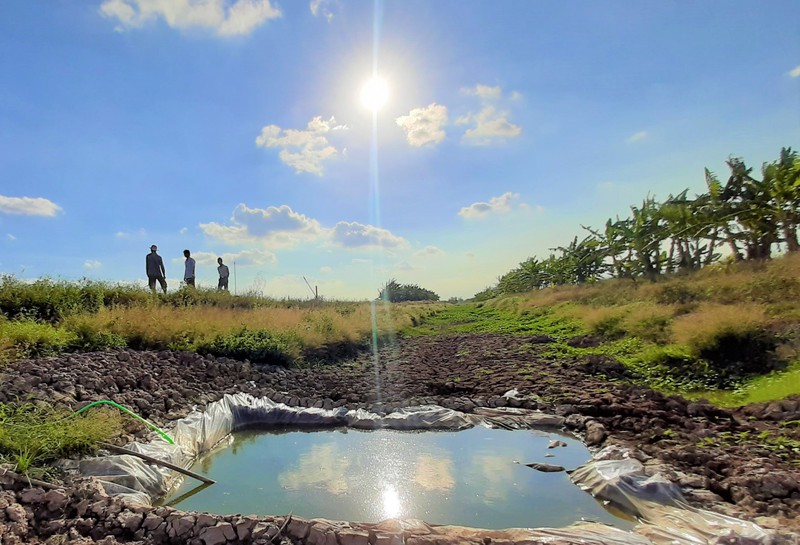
(238,129)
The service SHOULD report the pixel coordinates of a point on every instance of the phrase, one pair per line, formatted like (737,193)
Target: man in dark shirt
(224,273)
(155,270)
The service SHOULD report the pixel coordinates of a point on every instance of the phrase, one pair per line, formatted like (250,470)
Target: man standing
(188,274)
(155,270)
(223,275)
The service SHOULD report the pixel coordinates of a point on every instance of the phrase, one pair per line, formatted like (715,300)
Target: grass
(34,434)
(730,332)
(47,318)
(760,389)
(468,318)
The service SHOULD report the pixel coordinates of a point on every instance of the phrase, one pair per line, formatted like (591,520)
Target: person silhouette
(224,273)
(155,270)
(188,274)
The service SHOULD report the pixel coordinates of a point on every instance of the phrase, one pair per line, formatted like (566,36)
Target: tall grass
(32,434)
(48,317)
(715,327)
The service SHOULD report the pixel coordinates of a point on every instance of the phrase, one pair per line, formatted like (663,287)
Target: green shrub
(256,345)
(609,327)
(678,294)
(652,328)
(739,354)
(26,338)
(34,434)
(397,293)
(87,339)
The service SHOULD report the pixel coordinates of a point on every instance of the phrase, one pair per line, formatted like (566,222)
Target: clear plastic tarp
(666,518)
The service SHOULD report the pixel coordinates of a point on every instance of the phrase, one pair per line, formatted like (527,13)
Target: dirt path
(735,461)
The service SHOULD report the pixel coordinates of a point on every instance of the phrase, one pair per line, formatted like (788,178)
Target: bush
(25,338)
(677,294)
(88,339)
(256,345)
(33,434)
(738,354)
(396,293)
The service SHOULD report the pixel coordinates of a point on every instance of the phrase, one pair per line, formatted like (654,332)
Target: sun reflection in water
(391,503)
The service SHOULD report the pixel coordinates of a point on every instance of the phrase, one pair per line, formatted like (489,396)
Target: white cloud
(303,150)
(321,8)
(485,92)
(795,72)
(637,137)
(429,251)
(360,261)
(357,235)
(274,226)
(92,264)
(243,259)
(489,125)
(124,234)
(282,227)
(28,206)
(225,17)
(496,205)
(326,269)
(424,125)
(11,237)
(184,230)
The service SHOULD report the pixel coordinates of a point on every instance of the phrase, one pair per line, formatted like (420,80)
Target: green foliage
(759,389)
(33,434)
(677,294)
(87,339)
(740,353)
(472,318)
(27,338)
(747,215)
(397,293)
(257,345)
(610,327)
(777,443)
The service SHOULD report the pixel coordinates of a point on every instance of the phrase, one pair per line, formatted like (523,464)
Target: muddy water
(473,478)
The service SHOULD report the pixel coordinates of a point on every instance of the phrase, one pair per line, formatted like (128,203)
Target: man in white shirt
(188,274)
(223,275)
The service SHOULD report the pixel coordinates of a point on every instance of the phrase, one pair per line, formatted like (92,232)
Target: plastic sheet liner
(610,476)
(583,533)
(667,518)
(671,524)
(624,483)
(125,475)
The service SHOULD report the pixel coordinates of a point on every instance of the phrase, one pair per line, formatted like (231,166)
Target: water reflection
(434,473)
(322,466)
(494,475)
(464,478)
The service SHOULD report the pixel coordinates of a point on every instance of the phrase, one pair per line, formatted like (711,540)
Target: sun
(374,94)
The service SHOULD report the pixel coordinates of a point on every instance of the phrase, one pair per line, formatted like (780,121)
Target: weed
(32,434)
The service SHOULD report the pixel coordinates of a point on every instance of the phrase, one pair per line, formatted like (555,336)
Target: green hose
(128,411)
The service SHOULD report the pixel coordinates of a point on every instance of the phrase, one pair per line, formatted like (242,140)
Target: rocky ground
(739,462)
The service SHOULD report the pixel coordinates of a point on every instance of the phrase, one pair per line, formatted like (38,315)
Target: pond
(474,477)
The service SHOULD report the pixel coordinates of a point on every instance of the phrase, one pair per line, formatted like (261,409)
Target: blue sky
(234,128)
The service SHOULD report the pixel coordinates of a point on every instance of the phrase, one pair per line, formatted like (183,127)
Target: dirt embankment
(715,454)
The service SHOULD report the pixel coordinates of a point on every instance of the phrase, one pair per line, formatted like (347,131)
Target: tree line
(745,218)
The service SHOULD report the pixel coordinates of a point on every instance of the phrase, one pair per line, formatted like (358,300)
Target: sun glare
(374,94)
